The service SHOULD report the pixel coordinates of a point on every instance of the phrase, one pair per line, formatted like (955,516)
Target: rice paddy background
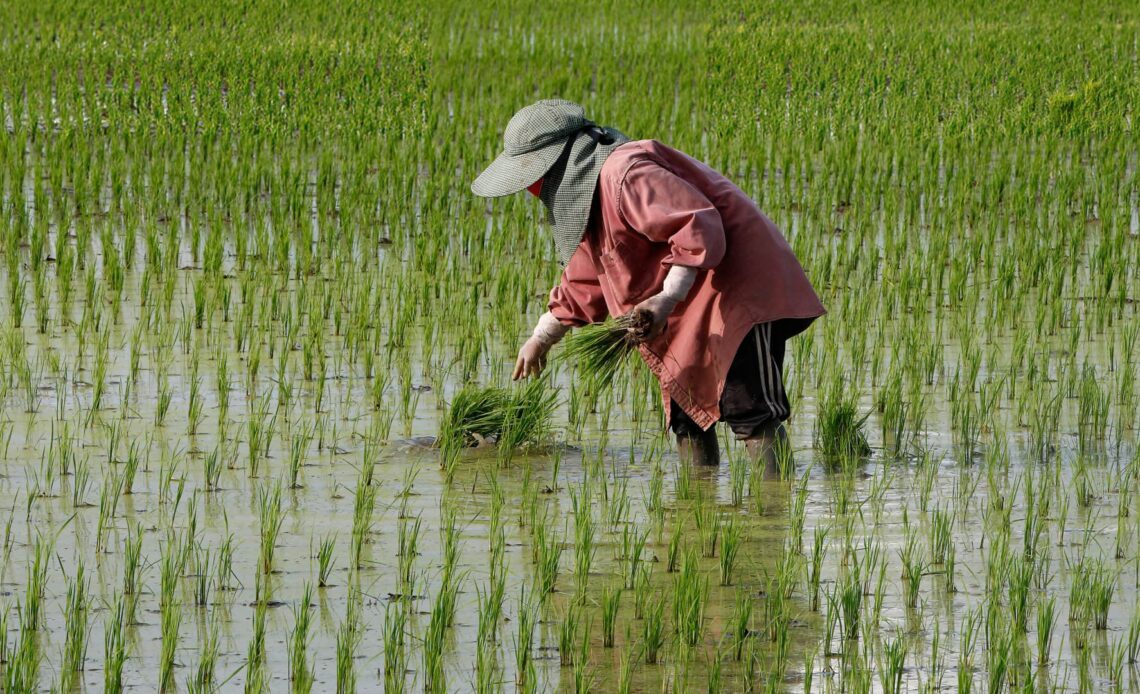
(244,278)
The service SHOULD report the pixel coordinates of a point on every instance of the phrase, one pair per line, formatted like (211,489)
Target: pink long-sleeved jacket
(656,207)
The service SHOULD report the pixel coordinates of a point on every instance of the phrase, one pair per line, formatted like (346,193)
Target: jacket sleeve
(578,298)
(667,209)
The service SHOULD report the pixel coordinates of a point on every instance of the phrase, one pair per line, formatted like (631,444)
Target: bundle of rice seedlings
(839,432)
(601,349)
(527,414)
(476,412)
(514,417)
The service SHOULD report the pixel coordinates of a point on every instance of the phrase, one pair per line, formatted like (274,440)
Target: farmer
(644,230)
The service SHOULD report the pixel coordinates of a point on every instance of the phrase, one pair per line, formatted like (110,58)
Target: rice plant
(839,428)
(300,672)
(690,594)
(76,629)
(601,350)
(611,601)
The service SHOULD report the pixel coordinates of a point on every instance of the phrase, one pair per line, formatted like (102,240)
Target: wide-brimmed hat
(534,139)
(553,140)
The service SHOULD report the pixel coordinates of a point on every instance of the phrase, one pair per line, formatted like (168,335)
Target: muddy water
(322,507)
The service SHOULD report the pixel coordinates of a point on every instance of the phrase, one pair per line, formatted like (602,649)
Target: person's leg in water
(754,402)
(694,445)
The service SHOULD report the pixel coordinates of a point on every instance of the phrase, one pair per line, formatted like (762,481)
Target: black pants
(754,396)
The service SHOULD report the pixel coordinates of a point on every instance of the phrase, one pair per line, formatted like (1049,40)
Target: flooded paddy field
(235,316)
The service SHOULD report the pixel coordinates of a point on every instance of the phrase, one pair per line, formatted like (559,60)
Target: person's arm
(665,208)
(576,301)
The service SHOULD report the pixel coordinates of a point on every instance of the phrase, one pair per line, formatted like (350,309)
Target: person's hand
(531,360)
(651,316)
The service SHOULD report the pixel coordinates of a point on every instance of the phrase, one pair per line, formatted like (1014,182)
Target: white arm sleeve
(678,282)
(549,330)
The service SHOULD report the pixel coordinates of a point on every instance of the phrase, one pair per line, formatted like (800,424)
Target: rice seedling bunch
(601,350)
(476,411)
(839,434)
(513,417)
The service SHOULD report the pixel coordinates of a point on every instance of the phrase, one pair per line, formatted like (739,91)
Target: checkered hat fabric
(553,140)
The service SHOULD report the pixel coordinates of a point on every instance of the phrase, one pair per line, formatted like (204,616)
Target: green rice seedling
(641,593)
(212,467)
(527,416)
(202,576)
(815,564)
(298,446)
(224,571)
(601,350)
(798,515)
(653,627)
(363,508)
(259,434)
(708,522)
(108,504)
(171,620)
(165,398)
(300,674)
(490,607)
(626,660)
(941,544)
(194,413)
(488,670)
(115,645)
(80,483)
(690,594)
(495,516)
(1090,594)
(839,428)
(408,539)
(616,502)
(683,485)
(568,630)
(584,675)
(714,670)
(525,673)
(740,623)
(325,552)
(256,676)
(347,641)
(891,662)
(585,548)
(1134,637)
(74,655)
(1020,580)
(132,563)
(1046,622)
(1116,657)
(730,537)
(632,547)
(850,602)
(450,577)
(203,678)
(131,466)
(611,601)
(654,500)
(22,661)
(549,552)
(395,651)
(270,519)
(31,612)
(673,555)
(914,566)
